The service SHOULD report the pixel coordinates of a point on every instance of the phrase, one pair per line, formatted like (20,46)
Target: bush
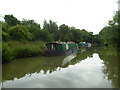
(27,49)
(5,36)
(14,49)
(7,54)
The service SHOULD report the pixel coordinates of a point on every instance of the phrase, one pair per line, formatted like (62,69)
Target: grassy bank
(13,49)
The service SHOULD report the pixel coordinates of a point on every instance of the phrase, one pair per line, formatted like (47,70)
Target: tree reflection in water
(22,67)
(110,69)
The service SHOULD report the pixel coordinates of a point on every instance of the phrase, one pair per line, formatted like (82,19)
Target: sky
(91,15)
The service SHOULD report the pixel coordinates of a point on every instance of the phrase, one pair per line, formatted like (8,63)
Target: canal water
(88,68)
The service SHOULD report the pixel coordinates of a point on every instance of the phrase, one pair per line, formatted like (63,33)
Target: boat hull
(60,52)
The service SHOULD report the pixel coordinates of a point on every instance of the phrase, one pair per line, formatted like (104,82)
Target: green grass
(13,49)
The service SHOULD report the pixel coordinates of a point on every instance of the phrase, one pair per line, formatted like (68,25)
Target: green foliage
(111,64)
(7,54)
(11,20)
(64,28)
(52,28)
(77,36)
(32,27)
(96,39)
(26,49)
(45,36)
(13,49)
(30,30)
(20,32)
(5,36)
(85,36)
(4,27)
(109,35)
(64,33)
(82,35)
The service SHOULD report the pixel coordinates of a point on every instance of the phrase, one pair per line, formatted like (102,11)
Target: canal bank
(13,49)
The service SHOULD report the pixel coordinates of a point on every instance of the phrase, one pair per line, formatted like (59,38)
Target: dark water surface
(89,68)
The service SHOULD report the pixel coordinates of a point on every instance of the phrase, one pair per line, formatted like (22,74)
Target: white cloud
(91,15)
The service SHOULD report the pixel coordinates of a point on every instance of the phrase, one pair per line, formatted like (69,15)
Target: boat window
(52,47)
(67,47)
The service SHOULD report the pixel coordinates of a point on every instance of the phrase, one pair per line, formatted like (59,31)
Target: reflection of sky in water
(85,74)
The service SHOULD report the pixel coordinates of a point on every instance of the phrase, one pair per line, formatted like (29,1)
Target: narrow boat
(81,45)
(60,48)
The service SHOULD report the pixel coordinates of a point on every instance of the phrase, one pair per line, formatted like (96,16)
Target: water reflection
(85,69)
(68,58)
(110,69)
(19,68)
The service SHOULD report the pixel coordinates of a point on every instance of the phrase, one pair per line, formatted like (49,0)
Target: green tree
(5,36)
(52,27)
(109,35)
(77,35)
(64,33)
(20,32)
(7,53)
(4,31)
(11,20)
(44,35)
(96,39)
(4,27)
(32,26)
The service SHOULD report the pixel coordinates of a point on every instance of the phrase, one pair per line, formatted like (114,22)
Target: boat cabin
(60,47)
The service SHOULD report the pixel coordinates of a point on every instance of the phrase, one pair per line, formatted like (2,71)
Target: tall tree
(32,26)
(11,20)
(20,32)
(64,33)
(52,27)
(109,35)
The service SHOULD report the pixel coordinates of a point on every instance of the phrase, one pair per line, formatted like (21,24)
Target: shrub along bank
(13,49)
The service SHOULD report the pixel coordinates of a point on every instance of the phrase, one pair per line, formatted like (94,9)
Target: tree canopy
(110,33)
(14,29)
(11,20)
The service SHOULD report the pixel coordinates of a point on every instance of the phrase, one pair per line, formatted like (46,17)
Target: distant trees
(33,27)
(14,29)
(64,33)
(51,26)
(76,35)
(29,30)
(44,35)
(52,29)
